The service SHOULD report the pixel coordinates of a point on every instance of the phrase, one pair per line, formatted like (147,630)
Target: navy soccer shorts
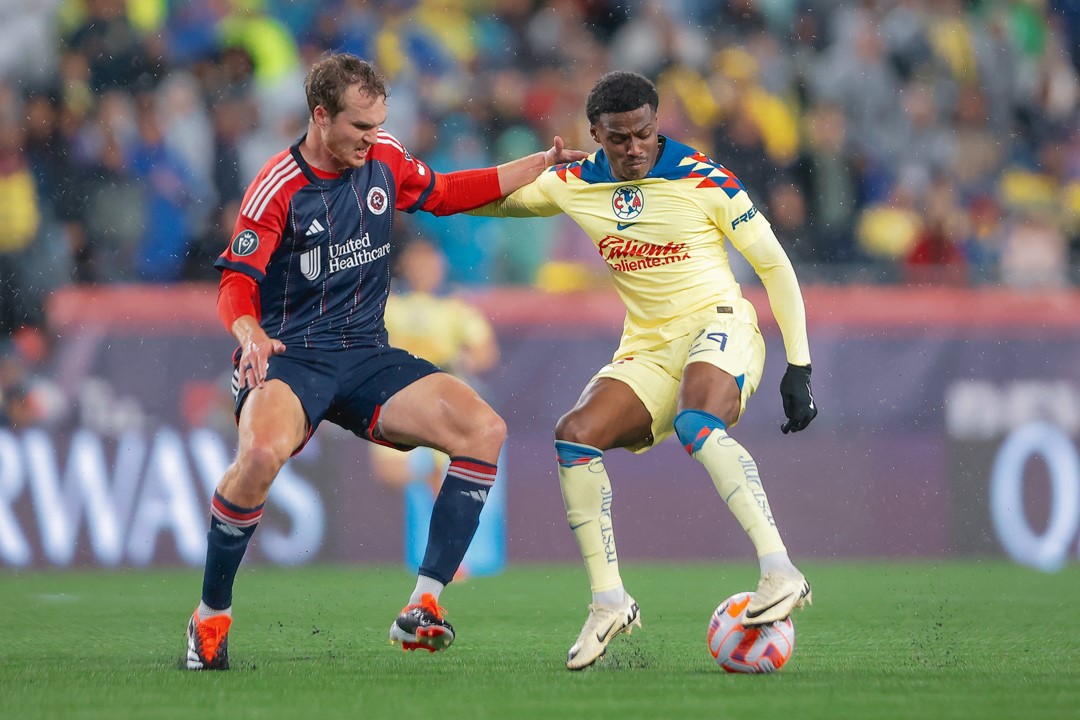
(347,387)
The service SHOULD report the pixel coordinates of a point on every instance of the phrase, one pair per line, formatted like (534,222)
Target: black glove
(799,404)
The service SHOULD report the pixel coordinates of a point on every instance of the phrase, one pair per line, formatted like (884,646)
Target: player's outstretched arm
(521,172)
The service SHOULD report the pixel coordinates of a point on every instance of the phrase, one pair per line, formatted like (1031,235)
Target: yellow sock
(735,475)
(586,492)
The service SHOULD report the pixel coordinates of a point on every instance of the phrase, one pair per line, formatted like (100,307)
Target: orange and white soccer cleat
(208,642)
(421,626)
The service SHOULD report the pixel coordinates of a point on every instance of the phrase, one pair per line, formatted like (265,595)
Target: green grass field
(897,640)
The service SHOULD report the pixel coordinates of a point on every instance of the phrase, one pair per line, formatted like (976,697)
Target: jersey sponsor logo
(244,244)
(354,253)
(311,263)
(627,202)
(377,201)
(630,255)
(744,217)
(314,228)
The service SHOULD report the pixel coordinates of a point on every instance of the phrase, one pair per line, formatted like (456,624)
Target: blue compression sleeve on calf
(570,454)
(694,427)
(455,516)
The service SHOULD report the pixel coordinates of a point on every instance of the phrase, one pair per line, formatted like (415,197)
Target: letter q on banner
(1049,551)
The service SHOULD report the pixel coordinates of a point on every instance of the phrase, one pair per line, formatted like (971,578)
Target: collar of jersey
(597,169)
(310,172)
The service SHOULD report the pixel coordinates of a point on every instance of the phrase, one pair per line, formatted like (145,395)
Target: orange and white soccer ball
(740,649)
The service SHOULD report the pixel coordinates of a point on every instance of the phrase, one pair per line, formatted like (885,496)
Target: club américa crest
(627,202)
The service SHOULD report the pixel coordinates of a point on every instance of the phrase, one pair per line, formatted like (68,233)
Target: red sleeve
(463,190)
(421,188)
(262,217)
(238,295)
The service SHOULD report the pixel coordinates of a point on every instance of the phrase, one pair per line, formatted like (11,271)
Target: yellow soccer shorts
(726,338)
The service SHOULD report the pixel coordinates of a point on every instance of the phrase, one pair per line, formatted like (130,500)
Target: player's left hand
(798,400)
(559,153)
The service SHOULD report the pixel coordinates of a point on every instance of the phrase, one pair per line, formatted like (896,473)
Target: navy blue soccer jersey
(318,244)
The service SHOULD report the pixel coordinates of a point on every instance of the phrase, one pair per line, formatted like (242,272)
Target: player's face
(350,134)
(630,140)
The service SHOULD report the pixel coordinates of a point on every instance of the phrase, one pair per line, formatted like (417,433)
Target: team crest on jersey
(627,202)
(377,201)
(245,243)
(311,263)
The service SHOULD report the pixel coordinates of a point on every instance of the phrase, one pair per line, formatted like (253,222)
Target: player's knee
(572,428)
(258,465)
(489,430)
(694,427)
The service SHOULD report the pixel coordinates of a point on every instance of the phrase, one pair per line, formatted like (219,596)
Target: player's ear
(592,132)
(321,116)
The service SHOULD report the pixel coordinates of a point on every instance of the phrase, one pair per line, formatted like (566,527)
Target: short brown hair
(331,76)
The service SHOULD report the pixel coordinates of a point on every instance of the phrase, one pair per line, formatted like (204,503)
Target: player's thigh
(438,411)
(733,346)
(271,425)
(609,414)
(653,378)
(369,378)
(297,381)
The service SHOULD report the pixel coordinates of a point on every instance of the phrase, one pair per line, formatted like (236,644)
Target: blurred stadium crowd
(888,141)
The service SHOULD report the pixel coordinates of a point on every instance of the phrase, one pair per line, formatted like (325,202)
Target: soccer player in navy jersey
(691,353)
(304,283)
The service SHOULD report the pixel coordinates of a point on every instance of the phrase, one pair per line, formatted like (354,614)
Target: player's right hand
(255,360)
(798,400)
(559,153)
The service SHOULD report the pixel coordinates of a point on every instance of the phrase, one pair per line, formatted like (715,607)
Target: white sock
(613,597)
(776,561)
(424,584)
(205,611)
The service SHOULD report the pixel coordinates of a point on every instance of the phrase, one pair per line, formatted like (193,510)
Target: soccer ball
(740,649)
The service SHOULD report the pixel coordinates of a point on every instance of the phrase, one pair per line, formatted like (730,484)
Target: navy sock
(455,516)
(231,528)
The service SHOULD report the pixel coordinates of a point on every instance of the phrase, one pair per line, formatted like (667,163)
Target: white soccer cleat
(604,623)
(778,595)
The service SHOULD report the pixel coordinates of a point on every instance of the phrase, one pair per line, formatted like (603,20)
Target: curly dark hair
(620,91)
(331,76)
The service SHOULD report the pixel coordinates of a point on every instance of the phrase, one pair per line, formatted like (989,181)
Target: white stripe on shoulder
(270,195)
(386,138)
(270,184)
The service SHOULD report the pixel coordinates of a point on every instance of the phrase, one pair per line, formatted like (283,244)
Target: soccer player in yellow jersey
(691,354)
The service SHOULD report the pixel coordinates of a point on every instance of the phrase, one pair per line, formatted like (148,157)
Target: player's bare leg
(608,415)
(442,412)
(272,425)
(709,403)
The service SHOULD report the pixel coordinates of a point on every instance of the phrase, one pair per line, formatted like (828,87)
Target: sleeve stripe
(386,138)
(269,185)
(270,195)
